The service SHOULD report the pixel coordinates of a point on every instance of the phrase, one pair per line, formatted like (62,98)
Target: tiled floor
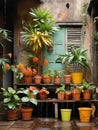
(47,124)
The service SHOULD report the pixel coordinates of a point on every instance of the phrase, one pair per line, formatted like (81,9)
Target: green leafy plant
(61,89)
(87,86)
(47,72)
(77,57)
(26,99)
(10,98)
(39,34)
(57,73)
(4,35)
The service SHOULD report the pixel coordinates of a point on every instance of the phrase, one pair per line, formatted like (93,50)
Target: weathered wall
(61,12)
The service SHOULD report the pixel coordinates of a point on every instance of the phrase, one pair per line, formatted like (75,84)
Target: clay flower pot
(43,93)
(47,79)
(26,113)
(27,78)
(87,94)
(67,79)
(57,80)
(37,79)
(76,95)
(68,95)
(12,114)
(60,96)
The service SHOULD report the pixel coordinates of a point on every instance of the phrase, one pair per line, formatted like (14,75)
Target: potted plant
(26,101)
(47,76)
(76,93)
(33,91)
(39,34)
(37,79)
(67,75)
(78,60)
(57,77)
(68,94)
(87,90)
(11,102)
(61,92)
(24,74)
(43,93)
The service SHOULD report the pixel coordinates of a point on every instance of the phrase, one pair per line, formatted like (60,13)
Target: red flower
(35,59)
(45,63)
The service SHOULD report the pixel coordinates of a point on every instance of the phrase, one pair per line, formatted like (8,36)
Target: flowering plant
(4,62)
(43,90)
(33,90)
(21,71)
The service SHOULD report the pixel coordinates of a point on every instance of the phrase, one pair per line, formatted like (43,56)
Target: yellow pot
(66,114)
(85,114)
(77,77)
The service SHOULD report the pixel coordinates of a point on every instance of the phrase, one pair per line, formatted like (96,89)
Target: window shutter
(73,38)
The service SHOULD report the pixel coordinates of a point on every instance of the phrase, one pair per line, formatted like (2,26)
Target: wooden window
(73,37)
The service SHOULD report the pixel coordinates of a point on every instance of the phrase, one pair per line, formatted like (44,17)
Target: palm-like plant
(77,57)
(39,34)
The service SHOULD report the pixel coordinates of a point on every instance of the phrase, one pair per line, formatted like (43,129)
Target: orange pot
(57,80)
(37,79)
(87,94)
(28,78)
(60,96)
(47,79)
(67,79)
(12,114)
(43,96)
(26,113)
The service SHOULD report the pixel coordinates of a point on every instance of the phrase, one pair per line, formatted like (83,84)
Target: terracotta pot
(67,79)
(37,79)
(60,96)
(28,78)
(57,80)
(34,72)
(47,79)
(12,114)
(26,113)
(87,94)
(43,96)
(68,95)
(76,95)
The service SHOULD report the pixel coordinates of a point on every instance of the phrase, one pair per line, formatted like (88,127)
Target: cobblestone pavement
(47,124)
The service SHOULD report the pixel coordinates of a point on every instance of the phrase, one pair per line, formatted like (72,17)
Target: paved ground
(47,124)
